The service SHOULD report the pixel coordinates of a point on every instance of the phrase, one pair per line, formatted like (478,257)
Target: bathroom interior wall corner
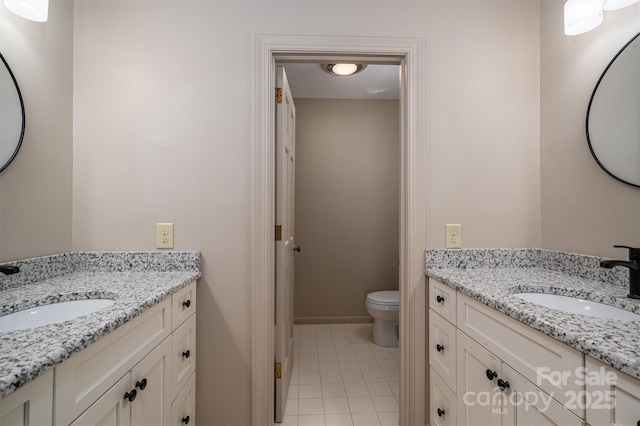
(36,188)
(602,210)
(347,206)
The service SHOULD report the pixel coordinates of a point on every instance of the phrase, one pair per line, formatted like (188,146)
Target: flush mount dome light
(343,69)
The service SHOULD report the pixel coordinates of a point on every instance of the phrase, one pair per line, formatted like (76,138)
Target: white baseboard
(332,320)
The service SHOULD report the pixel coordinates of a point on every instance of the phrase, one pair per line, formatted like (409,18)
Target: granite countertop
(492,276)
(135,280)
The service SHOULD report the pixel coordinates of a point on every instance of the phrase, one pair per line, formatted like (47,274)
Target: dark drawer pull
(131,396)
(186,353)
(439,299)
(441,412)
(186,303)
(185,420)
(491,374)
(439,348)
(142,384)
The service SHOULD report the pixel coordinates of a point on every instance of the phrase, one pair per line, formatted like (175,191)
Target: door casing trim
(410,53)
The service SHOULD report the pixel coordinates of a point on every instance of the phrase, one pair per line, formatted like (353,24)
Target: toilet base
(386,333)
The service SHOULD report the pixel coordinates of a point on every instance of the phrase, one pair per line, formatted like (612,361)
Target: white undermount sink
(51,314)
(574,305)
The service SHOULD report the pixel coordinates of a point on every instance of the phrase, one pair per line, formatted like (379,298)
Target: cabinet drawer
(613,398)
(443,402)
(183,409)
(87,375)
(442,299)
(32,404)
(183,353)
(537,357)
(183,305)
(442,348)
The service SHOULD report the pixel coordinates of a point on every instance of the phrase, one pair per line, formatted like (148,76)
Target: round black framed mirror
(12,116)
(613,116)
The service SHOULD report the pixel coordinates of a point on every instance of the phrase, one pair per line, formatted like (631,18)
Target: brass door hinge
(278,95)
(278,232)
(278,370)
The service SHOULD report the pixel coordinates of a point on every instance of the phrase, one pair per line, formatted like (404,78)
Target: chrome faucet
(634,269)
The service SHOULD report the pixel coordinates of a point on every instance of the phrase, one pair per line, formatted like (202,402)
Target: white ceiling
(375,82)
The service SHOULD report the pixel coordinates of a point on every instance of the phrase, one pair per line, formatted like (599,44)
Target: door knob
(297,248)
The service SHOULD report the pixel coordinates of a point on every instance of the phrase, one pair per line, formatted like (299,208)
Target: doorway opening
(408,54)
(345,244)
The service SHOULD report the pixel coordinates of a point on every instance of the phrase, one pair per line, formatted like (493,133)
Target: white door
(285,179)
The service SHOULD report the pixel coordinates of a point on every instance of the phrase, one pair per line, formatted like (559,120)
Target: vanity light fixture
(343,69)
(618,4)
(34,10)
(581,16)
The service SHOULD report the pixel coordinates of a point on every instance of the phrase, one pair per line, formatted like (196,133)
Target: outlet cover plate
(453,236)
(164,235)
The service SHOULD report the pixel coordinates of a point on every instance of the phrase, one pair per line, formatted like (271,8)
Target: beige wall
(584,210)
(347,205)
(162,122)
(35,190)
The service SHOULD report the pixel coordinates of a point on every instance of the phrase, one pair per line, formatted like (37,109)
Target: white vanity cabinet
(613,397)
(31,405)
(142,373)
(492,369)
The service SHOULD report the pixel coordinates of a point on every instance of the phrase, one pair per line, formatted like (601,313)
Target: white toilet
(384,307)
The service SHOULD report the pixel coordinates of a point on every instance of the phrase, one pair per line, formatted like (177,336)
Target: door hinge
(278,370)
(278,95)
(278,232)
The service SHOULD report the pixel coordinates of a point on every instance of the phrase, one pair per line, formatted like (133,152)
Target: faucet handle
(634,252)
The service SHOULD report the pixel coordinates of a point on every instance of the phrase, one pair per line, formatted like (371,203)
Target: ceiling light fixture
(581,16)
(343,69)
(34,10)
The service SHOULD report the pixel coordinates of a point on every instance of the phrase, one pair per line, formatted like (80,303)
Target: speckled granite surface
(492,276)
(135,280)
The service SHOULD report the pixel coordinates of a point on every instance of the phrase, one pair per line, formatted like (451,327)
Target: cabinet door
(479,400)
(528,405)
(111,409)
(183,409)
(612,397)
(31,404)
(151,378)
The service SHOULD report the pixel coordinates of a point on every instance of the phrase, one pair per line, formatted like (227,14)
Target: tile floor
(340,377)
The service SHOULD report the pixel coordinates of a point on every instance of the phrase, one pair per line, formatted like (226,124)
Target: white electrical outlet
(164,235)
(453,235)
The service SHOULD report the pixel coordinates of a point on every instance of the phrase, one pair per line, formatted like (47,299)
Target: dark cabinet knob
(491,374)
(186,353)
(503,385)
(439,299)
(142,384)
(297,248)
(185,420)
(186,303)
(131,396)
(439,348)
(441,412)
